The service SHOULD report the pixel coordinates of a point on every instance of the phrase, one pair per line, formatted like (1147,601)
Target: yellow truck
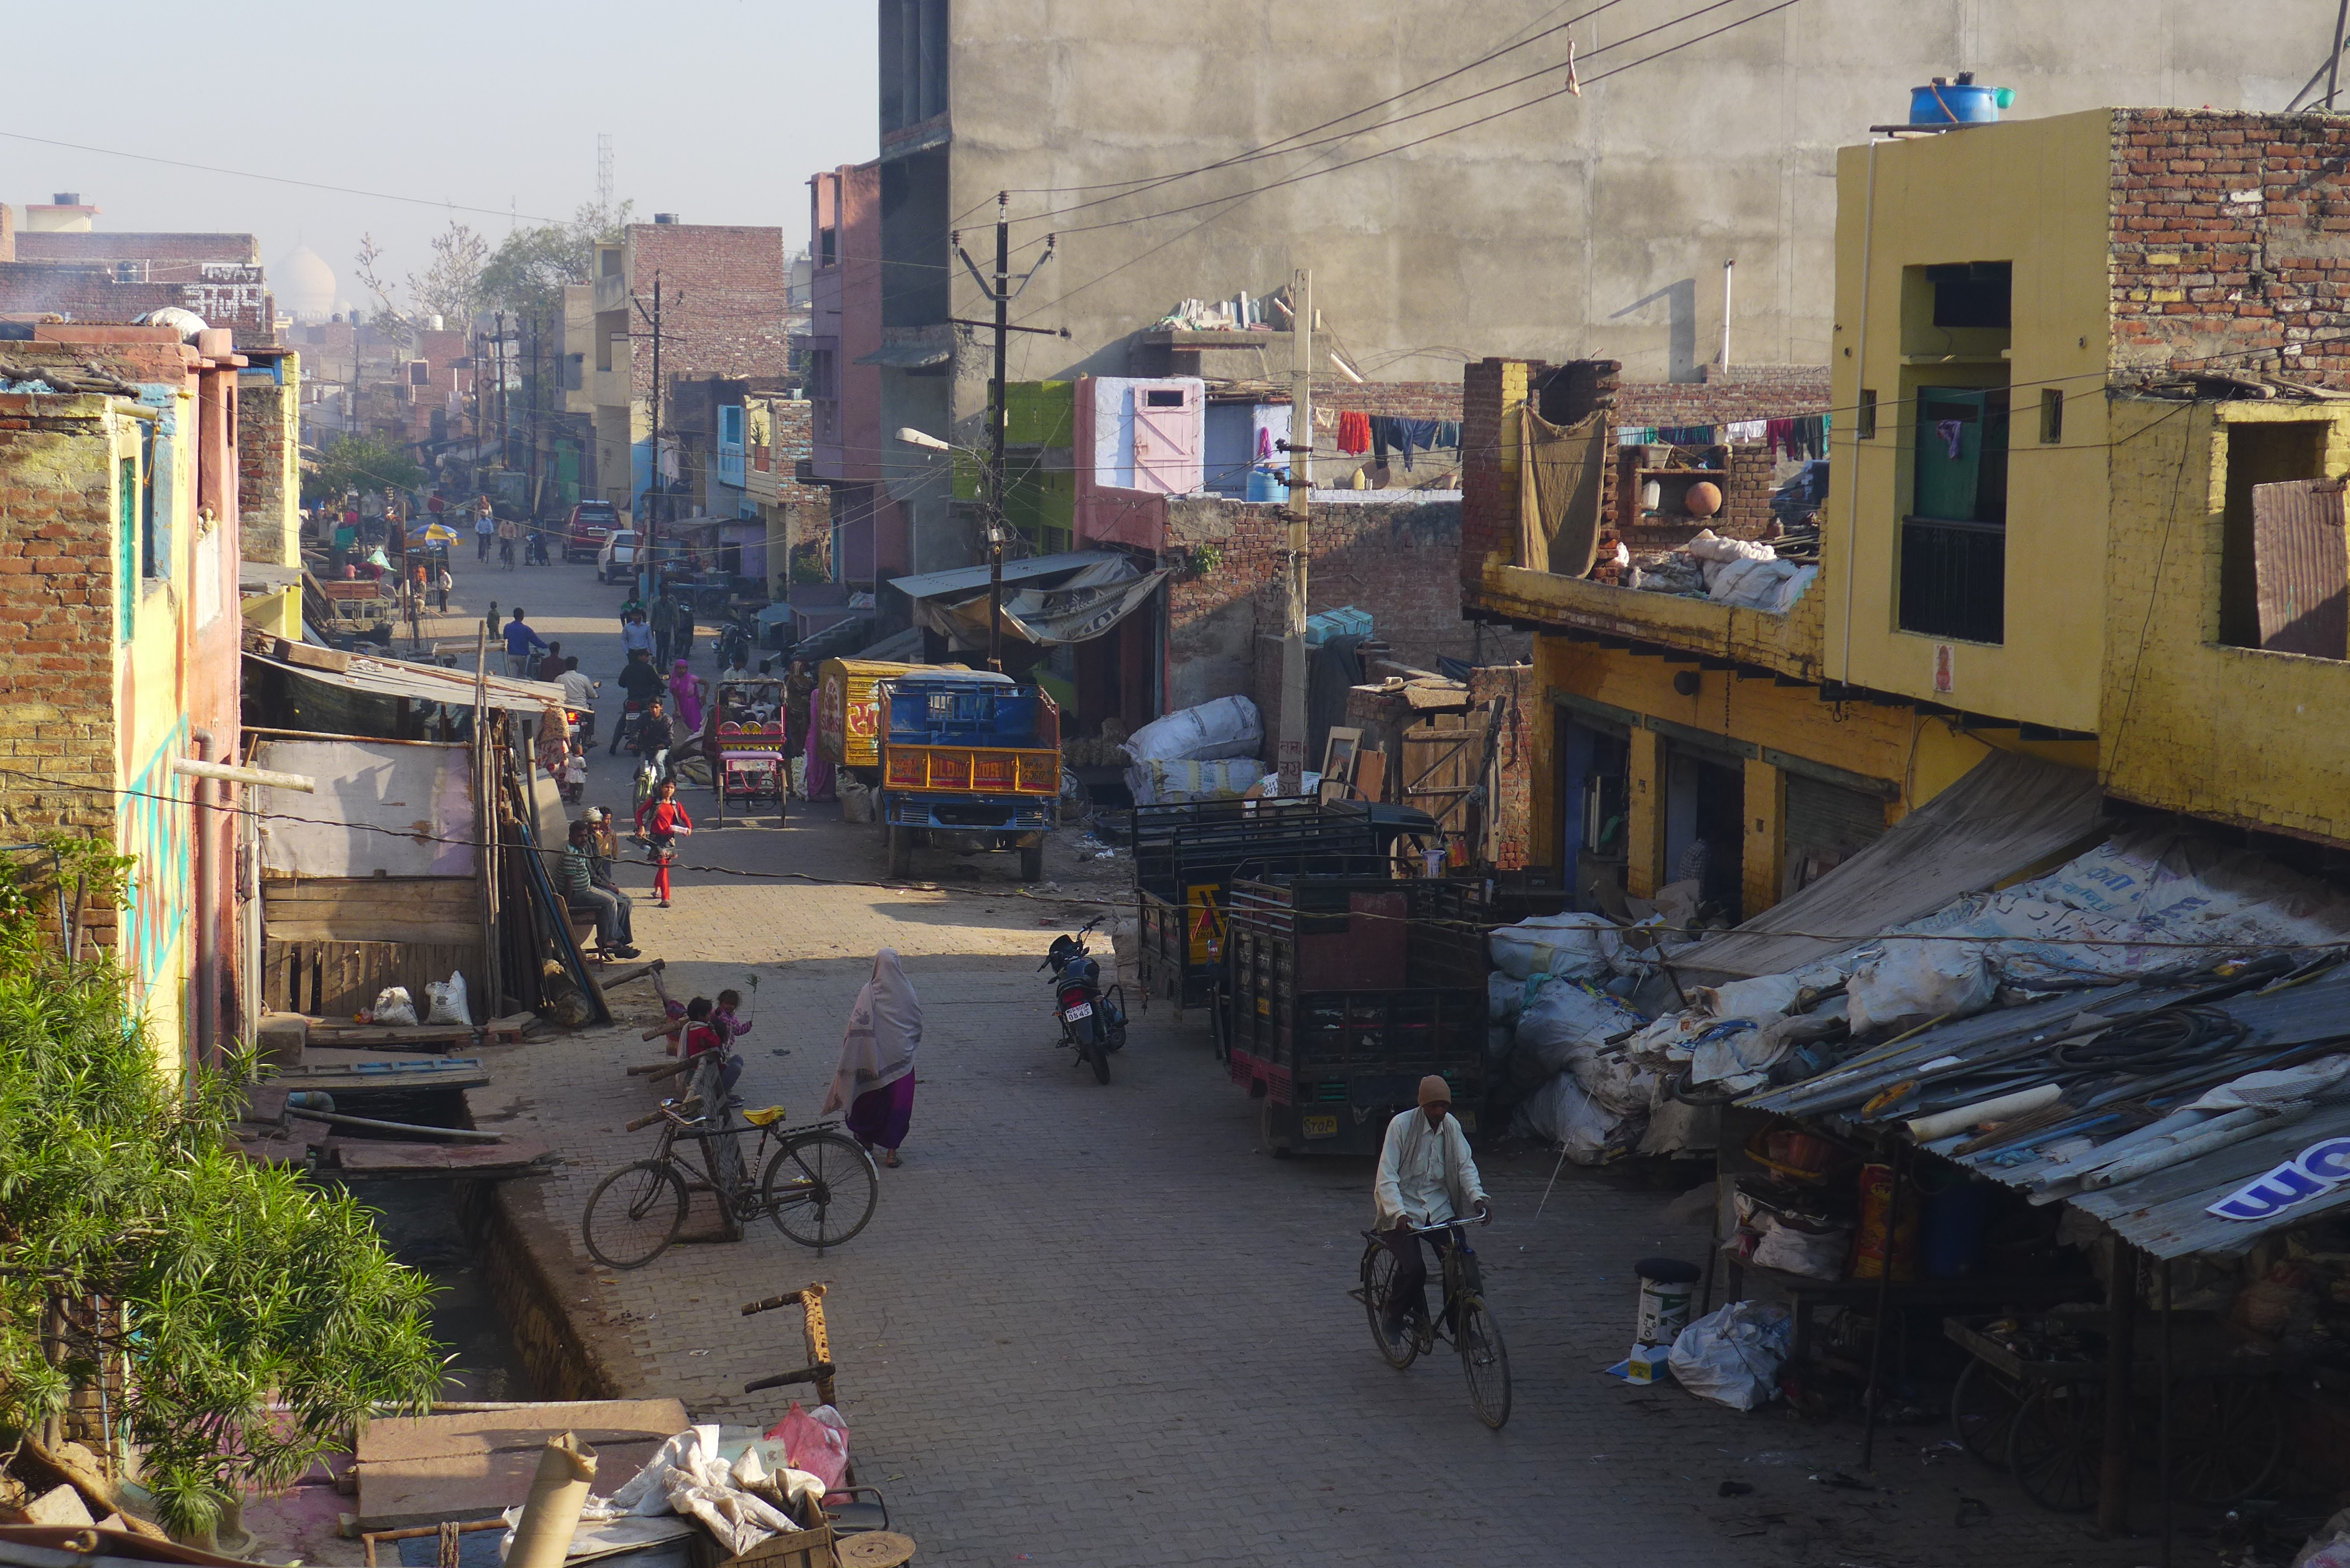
(848,713)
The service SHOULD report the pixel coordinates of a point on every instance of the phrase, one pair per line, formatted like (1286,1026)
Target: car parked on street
(584,532)
(618,558)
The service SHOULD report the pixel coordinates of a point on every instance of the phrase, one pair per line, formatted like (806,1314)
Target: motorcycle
(626,730)
(734,646)
(1092,1022)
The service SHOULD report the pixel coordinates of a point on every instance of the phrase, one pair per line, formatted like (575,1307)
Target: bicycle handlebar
(644,1121)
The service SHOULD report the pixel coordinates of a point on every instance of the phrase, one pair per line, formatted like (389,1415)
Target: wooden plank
(359,1156)
(341,980)
(421,1470)
(430,910)
(402,1076)
(391,1036)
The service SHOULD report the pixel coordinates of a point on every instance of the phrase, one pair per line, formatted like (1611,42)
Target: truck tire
(1032,864)
(901,850)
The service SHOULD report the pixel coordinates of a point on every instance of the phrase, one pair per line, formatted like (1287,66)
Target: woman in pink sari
(875,1080)
(685,696)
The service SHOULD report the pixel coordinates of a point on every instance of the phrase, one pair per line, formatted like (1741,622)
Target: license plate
(1082,1010)
(1321,1127)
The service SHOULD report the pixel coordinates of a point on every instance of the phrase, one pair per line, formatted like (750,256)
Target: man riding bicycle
(1426,1177)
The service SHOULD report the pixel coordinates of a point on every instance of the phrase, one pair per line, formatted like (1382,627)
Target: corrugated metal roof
(429,682)
(2166,1211)
(2010,812)
(962,579)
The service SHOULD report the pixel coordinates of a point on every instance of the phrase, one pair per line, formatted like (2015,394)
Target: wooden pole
(2121,1344)
(1290,759)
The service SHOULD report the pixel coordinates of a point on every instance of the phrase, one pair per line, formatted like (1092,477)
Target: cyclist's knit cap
(1435,1091)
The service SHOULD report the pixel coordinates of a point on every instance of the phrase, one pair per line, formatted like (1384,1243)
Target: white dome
(304,285)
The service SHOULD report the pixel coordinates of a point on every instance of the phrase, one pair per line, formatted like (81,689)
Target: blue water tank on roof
(1959,102)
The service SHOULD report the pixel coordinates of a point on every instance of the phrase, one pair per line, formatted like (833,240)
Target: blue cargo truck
(969,759)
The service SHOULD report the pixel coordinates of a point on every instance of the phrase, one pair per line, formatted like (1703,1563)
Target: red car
(589,525)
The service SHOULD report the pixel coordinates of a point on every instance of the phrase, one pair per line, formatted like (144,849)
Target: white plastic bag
(1767,996)
(1917,980)
(1819,1255)
(1733,1357)
(392,1006)
(1561,1113)
(446,999)
(1168,783)
(856,799)
(1227,727)
(1564,945)
(1564,1015)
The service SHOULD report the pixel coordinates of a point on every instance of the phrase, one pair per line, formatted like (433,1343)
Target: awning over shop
(420,682)
(1077,608)
(2009,813)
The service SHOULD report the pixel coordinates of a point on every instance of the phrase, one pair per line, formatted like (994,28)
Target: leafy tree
(451,288)
(360,462)
(130,1227)
(526,274)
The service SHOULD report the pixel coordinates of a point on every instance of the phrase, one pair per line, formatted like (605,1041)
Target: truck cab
(969,758)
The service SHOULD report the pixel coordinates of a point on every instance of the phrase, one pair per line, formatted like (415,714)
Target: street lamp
(923,439)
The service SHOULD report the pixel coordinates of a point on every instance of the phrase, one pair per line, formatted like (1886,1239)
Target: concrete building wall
(1594,225)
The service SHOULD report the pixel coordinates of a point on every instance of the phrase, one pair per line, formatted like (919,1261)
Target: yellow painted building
(2056,396)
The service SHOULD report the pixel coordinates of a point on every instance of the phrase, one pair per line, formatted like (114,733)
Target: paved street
(1095,1325)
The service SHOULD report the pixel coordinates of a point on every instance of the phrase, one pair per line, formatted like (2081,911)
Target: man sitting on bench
(608,906)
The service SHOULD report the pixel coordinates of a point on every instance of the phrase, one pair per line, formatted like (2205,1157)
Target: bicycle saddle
(766,1117)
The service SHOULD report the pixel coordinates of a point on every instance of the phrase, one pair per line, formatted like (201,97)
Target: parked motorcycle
(1092,1022)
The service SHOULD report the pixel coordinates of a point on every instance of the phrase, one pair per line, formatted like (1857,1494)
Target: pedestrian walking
(485,528)
(662,821)
(521,643)
(664,625)
(683,646)
(875,1080)
(447,583)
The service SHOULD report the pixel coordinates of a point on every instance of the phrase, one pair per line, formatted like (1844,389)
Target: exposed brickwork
(268,480)
(1490,389)
(8,233)
(1523,710)
(56,613)
(1746,392)
(239,298)
(2227,236)
(1392,561)
(724,296)
(155,250)
(1404,399)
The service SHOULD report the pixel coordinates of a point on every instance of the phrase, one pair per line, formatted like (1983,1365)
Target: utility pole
(506,424)
(1000,292)
(530,414)
(652,470)
(1290,763)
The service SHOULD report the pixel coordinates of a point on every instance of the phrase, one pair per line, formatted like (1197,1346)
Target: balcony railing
(1954,579)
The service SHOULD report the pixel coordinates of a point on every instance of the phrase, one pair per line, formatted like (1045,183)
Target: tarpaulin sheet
(383,808)
(1078,609)
(2009,813)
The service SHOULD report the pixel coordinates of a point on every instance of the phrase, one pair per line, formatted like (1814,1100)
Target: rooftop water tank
(1948,101)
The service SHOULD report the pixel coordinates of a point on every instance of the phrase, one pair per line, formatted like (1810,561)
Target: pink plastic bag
(818,1444)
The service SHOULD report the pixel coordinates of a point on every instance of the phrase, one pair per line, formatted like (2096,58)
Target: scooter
(1092,1022)
(733,645)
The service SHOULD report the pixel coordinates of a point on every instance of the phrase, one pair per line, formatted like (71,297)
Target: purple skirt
(882,1115)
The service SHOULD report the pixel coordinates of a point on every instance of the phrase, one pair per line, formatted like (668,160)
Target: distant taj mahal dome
(306,286)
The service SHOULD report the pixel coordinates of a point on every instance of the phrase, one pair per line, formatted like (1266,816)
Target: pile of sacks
(739,1485)
(1206,752)
(1746,573)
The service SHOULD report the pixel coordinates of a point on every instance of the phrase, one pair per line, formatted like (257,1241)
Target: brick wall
(1745,392)
(90,294)
(8,233)
(2227,236)
(268,481)
(1404,399)
(1491,391)
(723,300)
(56,614)
(1394,561)
(787,442)
(101,246)
(1523,710)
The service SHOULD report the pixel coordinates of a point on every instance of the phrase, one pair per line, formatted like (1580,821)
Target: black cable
(2165,1038)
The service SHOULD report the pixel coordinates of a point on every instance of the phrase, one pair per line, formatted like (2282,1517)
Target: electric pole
(1291,759)
(506,424)
(1001,293)
(530,414)
(652,470)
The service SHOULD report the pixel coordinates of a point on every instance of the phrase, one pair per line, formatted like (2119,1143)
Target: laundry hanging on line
(1354,431)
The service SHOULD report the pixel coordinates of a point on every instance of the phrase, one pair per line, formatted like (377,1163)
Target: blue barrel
(1263,484)
(1955,1220)
(1954,103)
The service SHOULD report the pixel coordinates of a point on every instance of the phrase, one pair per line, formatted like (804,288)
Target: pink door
(1167,439)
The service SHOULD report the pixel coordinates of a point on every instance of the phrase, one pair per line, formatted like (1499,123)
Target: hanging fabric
(1559,472)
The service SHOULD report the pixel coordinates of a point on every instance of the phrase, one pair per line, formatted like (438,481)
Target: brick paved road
(1095,1325)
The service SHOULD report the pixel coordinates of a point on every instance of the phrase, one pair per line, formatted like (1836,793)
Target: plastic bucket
(1666,1286)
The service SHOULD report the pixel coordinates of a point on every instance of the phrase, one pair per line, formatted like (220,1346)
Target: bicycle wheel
(2229,1434)
(1378,1277)
(634,1214)
(1982,1409)
(2055,1443)
(820,1189)
(1485,1361)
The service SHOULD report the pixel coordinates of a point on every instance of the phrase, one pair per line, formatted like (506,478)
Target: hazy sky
(718,110)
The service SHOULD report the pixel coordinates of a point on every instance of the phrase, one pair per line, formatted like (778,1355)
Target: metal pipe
(2333,61)
(1926,1129)
(188,767)
(1860,375)
(207,987)
(337,1118)
(1729,267)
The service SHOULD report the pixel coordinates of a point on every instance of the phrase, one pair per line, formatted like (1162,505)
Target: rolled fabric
(550,1516)
(1926,1129)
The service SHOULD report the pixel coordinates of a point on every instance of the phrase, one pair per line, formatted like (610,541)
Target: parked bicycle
(1465,1322)
(819,1187)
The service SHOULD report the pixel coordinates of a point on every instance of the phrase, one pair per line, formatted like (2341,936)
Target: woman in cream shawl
(876,1077)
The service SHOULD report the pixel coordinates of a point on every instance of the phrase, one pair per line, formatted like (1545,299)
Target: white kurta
(1426,1175)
